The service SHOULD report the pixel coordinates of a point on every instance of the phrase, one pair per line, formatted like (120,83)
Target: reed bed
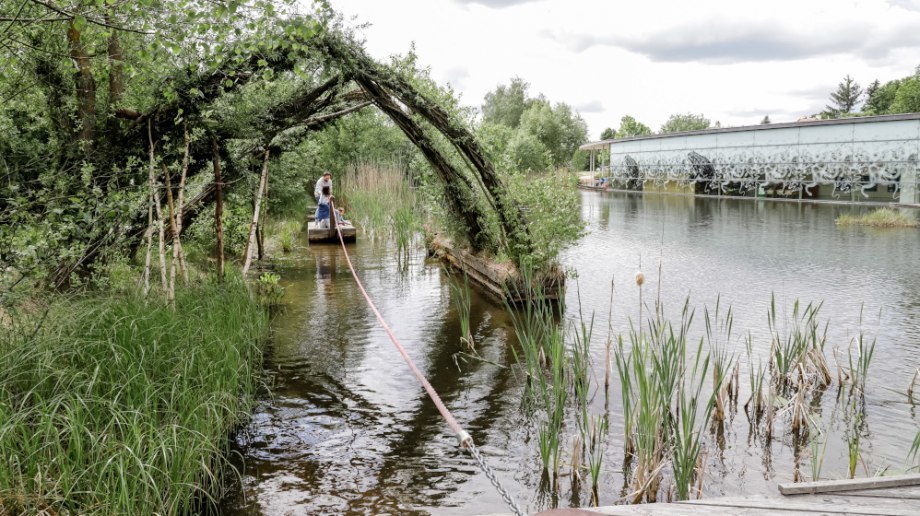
(880,218)
(382,201)
(118,406)
(678,389)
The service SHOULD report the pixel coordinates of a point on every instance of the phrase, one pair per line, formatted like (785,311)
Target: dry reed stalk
(842,375)
(799,412)
(821,368)
(718,384)
(770,413)
(910,388)
(700,474)
(576,459)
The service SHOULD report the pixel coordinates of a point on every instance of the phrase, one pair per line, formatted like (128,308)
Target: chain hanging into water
(466,441)
(506,496)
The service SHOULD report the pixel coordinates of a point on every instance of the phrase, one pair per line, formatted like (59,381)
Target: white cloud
(499,4)
(732,61)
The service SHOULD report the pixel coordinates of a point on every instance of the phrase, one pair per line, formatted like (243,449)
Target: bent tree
(102,96)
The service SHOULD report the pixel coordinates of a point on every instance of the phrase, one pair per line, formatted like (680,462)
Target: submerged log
(500,279)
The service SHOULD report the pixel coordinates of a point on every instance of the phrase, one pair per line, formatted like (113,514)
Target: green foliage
(112,405)
(558,128)
(907,99)
(550,203)
(880,218)
(685,122)
(268,289)
(506,104)
(630,127)
(845,98)
(879,101)
(541,135)
(528,154)
(608,134)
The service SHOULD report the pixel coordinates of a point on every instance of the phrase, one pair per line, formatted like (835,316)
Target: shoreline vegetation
(680,389)
(110,404)
(880,218)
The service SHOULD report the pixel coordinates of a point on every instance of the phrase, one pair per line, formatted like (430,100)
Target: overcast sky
(733,61)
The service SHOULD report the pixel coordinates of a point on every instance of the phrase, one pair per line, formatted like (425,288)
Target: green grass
(880,218)
(117,406)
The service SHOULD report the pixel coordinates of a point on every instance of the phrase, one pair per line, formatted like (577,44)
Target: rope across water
(466,441)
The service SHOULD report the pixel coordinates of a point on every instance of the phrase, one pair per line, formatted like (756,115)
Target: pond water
(348,429)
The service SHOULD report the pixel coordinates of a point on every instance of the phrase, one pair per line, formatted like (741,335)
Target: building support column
(910,189)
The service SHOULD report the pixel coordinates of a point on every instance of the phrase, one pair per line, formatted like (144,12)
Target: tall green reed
(117,406)
(460,293)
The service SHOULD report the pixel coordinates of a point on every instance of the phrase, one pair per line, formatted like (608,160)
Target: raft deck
(316,234)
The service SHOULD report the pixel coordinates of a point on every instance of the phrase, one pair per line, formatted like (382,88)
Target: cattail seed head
(640,278)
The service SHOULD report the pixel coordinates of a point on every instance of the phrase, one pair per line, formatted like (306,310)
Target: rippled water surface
(347,429)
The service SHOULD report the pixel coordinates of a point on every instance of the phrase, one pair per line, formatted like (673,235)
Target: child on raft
(322,208)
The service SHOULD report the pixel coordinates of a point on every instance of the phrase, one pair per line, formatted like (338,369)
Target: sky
(734,61)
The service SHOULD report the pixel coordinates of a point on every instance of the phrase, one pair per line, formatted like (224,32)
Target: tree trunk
(171,291)
(255,215)
(260,232)
(159,211)
(149,235)
(180,206)
(457,188)
(86,89)
(218,210)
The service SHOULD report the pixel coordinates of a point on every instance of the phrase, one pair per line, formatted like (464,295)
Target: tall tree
(506,104)
(879,101)
(766,120)
(907,98)
(629,126)
(685,122)
(846,97)
(608,134)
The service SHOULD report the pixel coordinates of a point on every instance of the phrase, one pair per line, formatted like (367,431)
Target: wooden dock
(316,234)
(897,495)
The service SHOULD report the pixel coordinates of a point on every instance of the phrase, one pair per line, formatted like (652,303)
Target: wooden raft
(316,234)
(499,279)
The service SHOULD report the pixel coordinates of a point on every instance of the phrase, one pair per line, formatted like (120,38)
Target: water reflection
(347,429)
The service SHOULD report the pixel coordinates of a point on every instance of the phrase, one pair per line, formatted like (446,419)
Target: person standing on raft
(323,203)
(326,180)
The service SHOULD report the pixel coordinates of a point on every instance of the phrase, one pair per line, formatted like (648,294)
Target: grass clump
(119,406)
(880,218)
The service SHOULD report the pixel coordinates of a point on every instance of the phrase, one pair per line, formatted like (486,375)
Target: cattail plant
(852,434)
(597,439)
(818,445)
(720,357)
(859,364)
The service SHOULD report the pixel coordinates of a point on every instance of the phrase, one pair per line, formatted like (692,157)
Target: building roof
(759,127)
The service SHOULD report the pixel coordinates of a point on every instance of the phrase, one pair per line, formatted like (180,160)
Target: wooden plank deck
(880,496)
(315,234)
